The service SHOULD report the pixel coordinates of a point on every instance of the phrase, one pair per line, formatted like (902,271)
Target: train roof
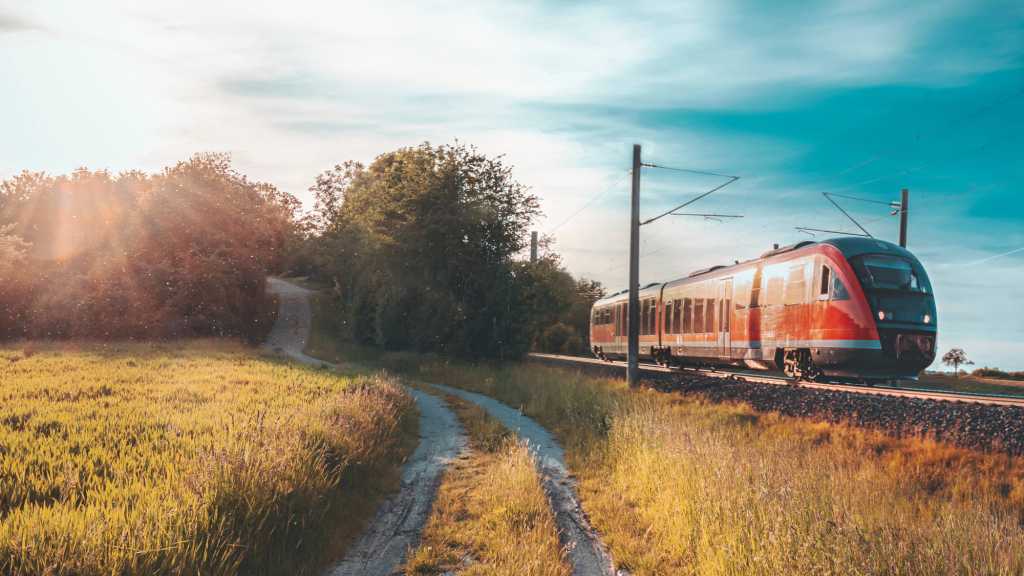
(852,246)
(849,246)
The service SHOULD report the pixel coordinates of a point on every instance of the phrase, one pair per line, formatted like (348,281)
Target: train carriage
(848,307)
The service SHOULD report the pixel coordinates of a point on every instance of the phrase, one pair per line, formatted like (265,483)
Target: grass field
(968,383)
(678,486)
(491,515)
(188,458)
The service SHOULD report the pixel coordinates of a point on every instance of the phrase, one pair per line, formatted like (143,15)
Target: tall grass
(679,486)
(196,458)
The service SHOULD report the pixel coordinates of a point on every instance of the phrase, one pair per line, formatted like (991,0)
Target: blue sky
(861,98)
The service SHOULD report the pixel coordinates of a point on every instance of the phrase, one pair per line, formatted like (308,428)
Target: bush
(180,253)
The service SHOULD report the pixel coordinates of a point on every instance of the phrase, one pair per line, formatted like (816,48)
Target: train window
(677,327)
(643,317)
(839,291)
(652,317)
(687,316)
(889,273)
(826,282)
(755,289)
(709,315)
(773,295)
(698,315)
(726,314)
(796,285)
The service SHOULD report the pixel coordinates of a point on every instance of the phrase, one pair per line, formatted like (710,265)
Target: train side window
(677,316)
(687,316)
(643,317)
(796,285)
(652,317)
(709,315)
(666,320)
(839,291)
(698,315)
(826,283)
(755,288)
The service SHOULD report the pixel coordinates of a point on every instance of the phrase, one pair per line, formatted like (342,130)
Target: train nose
(915,347)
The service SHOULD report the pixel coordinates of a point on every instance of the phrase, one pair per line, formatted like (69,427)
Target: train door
(724,323)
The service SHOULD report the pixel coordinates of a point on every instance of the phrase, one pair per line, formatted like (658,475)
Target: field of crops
(201,457)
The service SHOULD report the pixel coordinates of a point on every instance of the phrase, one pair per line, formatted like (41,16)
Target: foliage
(557,306)
(186,459)
(955,358)
(182,252)
(987,372)
(419,246)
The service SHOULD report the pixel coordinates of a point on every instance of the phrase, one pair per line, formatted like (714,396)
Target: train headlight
(927,319)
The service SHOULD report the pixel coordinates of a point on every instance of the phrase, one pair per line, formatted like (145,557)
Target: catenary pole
(633,364)
(904,207)
(533,248)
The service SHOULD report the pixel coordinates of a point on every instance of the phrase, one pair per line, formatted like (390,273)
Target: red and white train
(848,307)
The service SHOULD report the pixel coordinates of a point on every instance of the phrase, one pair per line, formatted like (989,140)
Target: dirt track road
(586,553)
(396,527)
(294,320)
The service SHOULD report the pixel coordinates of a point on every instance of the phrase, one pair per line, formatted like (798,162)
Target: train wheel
(798,364)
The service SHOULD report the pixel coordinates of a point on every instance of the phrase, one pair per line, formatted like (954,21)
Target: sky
(855,98)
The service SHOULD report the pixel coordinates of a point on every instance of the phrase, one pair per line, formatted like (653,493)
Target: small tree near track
(955,358)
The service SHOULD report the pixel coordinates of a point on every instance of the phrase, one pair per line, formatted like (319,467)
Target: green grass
(187,458)
(968,383)
(679,486)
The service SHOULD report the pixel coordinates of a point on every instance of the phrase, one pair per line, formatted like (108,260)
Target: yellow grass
(491,515)
(191,458)
(679,486)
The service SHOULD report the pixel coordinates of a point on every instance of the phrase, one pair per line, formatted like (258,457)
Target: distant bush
(179,253)
(987,372)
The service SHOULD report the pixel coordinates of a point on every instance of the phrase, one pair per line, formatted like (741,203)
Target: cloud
(11,23)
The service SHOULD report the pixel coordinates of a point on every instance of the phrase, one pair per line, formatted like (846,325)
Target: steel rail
(769,378)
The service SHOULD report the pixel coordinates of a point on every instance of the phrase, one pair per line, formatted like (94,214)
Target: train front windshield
(891,273)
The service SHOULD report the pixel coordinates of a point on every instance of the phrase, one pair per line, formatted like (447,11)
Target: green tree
(420,248)
(182,252)
(955,358)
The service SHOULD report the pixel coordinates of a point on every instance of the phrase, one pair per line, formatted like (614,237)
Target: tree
(955,357)
(178,253)
(419,246)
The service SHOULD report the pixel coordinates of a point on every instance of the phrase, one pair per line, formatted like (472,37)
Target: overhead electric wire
(688,170)
(590,202)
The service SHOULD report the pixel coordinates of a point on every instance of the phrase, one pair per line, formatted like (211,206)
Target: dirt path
(396,527)
(294,320)
(586,553)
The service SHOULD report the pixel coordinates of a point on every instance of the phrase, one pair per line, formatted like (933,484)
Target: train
(847,308)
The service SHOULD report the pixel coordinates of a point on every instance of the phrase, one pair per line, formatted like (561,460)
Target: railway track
(769,378)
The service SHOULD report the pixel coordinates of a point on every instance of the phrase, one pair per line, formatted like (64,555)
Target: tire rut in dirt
(397,526)
(586,554)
